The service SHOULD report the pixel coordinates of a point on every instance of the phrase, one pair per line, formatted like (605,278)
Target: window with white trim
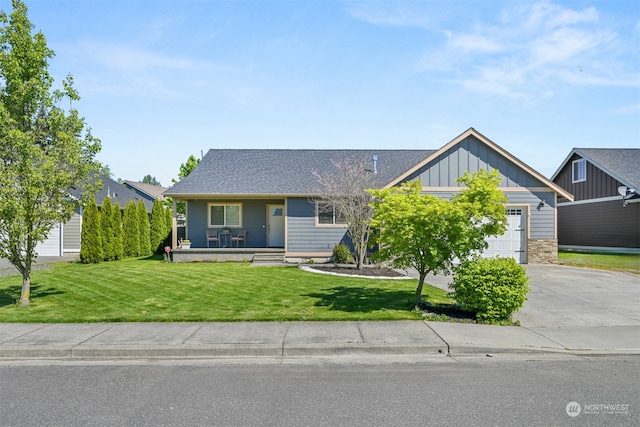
(225,215)
(327,214)
(578,170)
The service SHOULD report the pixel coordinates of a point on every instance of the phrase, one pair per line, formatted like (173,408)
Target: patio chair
(212,236)
(240,237)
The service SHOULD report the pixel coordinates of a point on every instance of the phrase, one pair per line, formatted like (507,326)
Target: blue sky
(161,80)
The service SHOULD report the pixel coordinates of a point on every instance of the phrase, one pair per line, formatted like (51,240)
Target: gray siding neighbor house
(270,194)
(65,238)
(605,213)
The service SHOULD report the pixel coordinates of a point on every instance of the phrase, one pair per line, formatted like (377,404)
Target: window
(225,215)
(327,214)
(579,170)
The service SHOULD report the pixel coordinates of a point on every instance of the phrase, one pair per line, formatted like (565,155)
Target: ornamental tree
(430,233)
(343,193)
(45,148)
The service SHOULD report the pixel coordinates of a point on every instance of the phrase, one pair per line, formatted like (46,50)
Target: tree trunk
(419,288)
(26,289)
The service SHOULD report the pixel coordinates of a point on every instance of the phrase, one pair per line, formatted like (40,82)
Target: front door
(275,226)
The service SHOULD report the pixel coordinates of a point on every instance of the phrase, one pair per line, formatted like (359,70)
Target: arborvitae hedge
(130,231)
(116,229)
(143,225)
(107,234)
(158,227)
(91,238)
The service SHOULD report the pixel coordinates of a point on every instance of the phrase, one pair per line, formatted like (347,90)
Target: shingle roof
(622,164)
(282,172)
(116,192)
(154,191)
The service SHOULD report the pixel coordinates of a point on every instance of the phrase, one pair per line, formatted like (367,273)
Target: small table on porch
(225,238)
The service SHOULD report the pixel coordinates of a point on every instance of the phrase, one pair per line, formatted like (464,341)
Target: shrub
(116,228)
(130,231)
(91,237)
(342,254)
(158,227)
(492,288)
(144,230)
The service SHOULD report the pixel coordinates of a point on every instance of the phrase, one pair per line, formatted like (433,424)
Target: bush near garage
(492,288)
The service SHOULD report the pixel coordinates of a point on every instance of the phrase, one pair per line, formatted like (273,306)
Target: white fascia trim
(589,201)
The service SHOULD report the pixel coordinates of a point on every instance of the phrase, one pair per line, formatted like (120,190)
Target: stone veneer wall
(542,251)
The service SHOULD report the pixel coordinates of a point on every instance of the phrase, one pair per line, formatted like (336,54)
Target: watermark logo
(573,409)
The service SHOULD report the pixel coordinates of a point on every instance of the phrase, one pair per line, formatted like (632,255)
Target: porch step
(269,258)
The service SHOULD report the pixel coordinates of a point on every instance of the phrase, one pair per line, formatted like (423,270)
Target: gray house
(65,237)
(270,195)
(605,213)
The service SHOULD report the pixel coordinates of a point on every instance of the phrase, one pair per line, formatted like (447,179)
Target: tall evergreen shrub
(143,224)
(116,229)
(91,240)
(107,233)
(158,227)
(130,231)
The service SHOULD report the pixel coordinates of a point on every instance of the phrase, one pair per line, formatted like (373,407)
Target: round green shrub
(493,288)
(342,254)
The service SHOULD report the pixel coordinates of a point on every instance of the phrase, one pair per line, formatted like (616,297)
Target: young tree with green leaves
(143,224)
(130,231)
(430,233)
(91,251)
(45,149)
(158,227)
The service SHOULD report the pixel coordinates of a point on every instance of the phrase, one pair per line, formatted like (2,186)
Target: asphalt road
(474,392)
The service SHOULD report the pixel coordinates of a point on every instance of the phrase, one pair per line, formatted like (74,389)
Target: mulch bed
(453,313)
(353,271)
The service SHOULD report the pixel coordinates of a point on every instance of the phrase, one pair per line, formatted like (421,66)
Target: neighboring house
(148,191)
(65,238)
(270,193)
(605,213)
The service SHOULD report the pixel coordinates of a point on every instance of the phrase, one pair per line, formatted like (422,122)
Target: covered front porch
(254,255)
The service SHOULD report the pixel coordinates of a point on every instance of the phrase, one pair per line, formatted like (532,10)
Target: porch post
(174,225)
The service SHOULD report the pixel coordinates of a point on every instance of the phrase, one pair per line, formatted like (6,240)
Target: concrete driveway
(6,269)
(570,296)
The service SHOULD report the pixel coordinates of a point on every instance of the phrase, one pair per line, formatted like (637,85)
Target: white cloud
(548,15)
(528,52)
(475,43)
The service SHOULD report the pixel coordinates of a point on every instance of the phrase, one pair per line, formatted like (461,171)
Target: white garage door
(52,246)
(512,242)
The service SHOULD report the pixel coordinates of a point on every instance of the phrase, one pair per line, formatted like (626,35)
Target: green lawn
(619,262)
(146,290)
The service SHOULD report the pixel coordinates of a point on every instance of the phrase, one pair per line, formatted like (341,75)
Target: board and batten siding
(598,184)
(302,234)
(472,155)
(541,223)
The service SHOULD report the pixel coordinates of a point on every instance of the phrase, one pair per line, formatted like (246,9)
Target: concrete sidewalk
(302,339)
